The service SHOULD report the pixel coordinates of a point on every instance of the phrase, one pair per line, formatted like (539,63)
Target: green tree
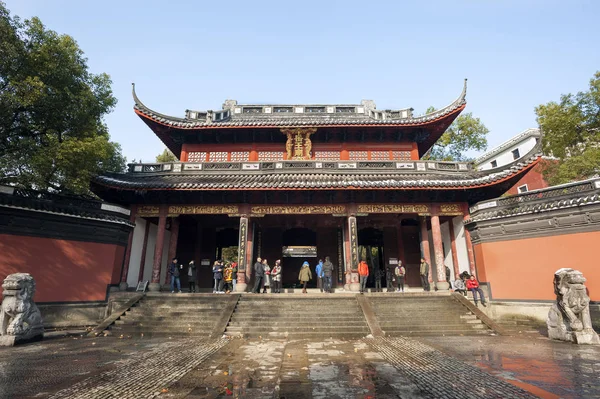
(466,133)
(52,133)
(166,156)
(571,134)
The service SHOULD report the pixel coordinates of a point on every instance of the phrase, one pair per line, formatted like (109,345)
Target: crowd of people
(225,277)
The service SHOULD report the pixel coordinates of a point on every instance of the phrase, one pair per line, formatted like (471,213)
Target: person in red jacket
(473,286)
(363,275)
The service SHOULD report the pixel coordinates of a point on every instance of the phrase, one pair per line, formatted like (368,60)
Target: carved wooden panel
(380,155)
(240,156)
(358,155)
(401,155)
(217,156)
(327,155)
(197,156)
(270,156)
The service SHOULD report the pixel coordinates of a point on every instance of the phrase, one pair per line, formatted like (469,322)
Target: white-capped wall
(505,157)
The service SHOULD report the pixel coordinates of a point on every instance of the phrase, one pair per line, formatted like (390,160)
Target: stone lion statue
(20,318)
(569,318)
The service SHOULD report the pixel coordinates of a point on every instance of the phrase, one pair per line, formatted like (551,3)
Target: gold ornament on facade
(147,211)
(296,209)
(203,209)
(392,208)
(298,145)
(451,210)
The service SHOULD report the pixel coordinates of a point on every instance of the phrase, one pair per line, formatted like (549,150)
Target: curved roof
(368,117)
(310,176)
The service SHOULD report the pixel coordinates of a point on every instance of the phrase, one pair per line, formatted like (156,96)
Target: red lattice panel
(217,156)
(327,155)
(240,156)
(401,155)
(196,156)
(380,155)
(358,155)
(270,156)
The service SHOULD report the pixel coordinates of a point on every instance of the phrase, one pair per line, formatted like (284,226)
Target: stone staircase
(176,315)
(295,316)
(522,325)
(424,315)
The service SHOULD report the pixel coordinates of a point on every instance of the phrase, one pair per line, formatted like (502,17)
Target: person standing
(363,275)
(234,272)
(327,274)
(276,278)
(267,276)
(473,286)
(304,276)
(377,276)
(259,273)
(174,270)
(319,274)
(192,276)
(448,275)
(228,277)
(218,277)
(400,273)
(389,278)
(424,272)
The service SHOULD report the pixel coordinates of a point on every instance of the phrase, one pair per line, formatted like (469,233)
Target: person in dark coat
(218,277)
(259,273)
(174,270)
(377,275)
(424,273)
(192,275)
(447,274)
(327,271)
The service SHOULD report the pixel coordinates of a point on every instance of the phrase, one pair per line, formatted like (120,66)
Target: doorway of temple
(299,245)
(371,250)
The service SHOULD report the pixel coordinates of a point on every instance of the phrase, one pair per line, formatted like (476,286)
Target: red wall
(524,269)
(63,270)
(533,179)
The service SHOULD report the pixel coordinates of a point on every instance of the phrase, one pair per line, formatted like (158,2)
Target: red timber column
(243,265)
(172,245)
(454,253)
(144,248)
(158,249)
(425,244)
(125,270)
(438,249)
(353,253)
(470,253)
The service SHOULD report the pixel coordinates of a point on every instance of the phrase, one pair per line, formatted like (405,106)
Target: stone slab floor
(440,367)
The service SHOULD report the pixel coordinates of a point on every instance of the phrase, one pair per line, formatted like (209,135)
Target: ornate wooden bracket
(298,145)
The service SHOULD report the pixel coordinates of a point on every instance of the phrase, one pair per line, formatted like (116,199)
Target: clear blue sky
(195,54)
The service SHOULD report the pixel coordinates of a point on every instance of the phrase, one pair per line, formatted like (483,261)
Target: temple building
(301,182)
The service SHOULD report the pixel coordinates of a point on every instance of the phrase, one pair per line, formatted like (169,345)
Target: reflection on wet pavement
(547,368)
(328,368)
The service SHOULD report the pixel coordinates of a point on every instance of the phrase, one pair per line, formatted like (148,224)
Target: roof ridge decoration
(229,117)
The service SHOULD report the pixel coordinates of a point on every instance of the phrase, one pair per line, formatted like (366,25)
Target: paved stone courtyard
(450,367)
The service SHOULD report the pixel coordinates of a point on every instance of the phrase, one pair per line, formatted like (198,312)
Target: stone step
(428,333)
(299,335)
(439,327)
(127,329)
(422,322)
(295,329)
(154,323)
(162,334)
(307,323)
(175,312)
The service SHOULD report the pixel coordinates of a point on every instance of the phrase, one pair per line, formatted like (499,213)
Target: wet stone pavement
(437,367)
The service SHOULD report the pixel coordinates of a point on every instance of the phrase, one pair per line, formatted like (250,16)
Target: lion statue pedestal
(20,318)
(569,318)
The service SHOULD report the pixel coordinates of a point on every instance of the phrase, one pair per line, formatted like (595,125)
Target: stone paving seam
(144,376)
(441,375)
